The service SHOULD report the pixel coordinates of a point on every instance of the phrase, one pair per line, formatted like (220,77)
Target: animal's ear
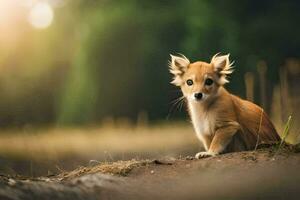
(178,65)
(222,67)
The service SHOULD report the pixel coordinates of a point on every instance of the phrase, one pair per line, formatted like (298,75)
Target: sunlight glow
(41,15)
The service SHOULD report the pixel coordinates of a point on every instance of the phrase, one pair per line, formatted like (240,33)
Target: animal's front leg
(206,141)
(222,137)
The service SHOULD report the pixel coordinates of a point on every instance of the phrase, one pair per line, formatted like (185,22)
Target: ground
(267,173)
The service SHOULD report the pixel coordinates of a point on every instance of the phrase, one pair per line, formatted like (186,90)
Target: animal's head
(200,81)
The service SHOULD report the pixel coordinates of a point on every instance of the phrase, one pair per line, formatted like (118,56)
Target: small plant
(286,131)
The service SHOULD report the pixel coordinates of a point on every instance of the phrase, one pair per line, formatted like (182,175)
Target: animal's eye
(209,81)
(189,82)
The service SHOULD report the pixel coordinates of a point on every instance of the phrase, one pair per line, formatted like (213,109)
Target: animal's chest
(203,122)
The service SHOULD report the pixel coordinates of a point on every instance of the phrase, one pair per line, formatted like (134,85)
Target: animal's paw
(204,154)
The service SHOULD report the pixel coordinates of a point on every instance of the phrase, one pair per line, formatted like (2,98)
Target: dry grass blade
(260,123)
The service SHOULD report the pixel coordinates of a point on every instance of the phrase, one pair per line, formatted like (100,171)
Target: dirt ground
(263,174)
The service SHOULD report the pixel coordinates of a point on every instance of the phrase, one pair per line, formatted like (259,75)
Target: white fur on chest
(202,121)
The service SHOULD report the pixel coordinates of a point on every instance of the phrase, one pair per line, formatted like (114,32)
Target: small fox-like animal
(223,122)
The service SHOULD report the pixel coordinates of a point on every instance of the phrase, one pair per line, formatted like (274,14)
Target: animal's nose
(198,96)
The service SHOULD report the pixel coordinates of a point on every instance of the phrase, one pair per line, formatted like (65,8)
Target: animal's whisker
(176,102)
(179,104)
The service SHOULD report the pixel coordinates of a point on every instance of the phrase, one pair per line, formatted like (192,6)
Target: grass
(105,142)
(283,143)
(102,142)
(286,130)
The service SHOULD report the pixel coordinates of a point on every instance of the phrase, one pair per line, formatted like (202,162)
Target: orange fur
(223,122)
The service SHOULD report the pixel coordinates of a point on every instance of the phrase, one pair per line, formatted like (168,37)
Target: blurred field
(42,151)
(45,151)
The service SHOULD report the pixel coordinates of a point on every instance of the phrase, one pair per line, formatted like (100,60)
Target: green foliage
(286,130)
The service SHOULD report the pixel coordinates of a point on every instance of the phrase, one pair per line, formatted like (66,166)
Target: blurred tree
(125,62)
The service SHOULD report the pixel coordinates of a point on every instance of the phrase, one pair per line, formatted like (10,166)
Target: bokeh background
(74,71)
